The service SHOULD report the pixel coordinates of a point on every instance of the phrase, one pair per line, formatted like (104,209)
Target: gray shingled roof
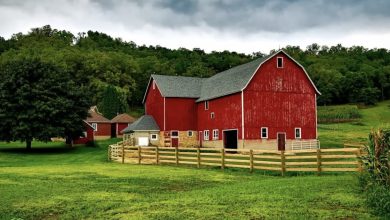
(144,123)
(230,81)
(179,86)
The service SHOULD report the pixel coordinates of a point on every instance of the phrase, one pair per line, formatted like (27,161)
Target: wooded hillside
(343,75)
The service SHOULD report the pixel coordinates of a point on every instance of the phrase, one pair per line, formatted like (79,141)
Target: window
(280,62)
(154,84)
(190,133)
(94,125)
(154,137)
(84,134)
(215,134)
(264,132)
(206,135)
(298,133)
(212,115)
(128,124)
(174,134)
(206,105)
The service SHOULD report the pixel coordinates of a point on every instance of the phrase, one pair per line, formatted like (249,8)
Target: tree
(112,102)
(39,99)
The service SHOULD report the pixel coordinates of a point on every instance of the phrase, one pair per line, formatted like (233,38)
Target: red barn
(268,103)
(119,123)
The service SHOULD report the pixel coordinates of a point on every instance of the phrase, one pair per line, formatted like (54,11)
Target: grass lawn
(334,135)
(56,182)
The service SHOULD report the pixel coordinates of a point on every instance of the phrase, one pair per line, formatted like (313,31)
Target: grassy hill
(336,134)
(55,182)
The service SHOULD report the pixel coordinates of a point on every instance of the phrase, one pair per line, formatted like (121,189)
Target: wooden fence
(313,160)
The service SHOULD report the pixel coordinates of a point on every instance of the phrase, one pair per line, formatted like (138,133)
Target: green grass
(336,134)
(55,182)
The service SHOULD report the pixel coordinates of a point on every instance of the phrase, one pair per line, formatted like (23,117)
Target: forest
(112,67)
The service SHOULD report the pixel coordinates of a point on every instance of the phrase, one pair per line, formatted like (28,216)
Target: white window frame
(206,135)
(266,132)
(206,105)
(190,133)
(95,126)
(300,133)
(85,134)
(212,115)
(153,139)
(277,62)
(175,136)
(215,134)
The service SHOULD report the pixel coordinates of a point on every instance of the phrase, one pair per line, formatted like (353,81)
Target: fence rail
(311,160)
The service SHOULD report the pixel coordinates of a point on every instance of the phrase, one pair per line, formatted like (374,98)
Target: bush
(375,181)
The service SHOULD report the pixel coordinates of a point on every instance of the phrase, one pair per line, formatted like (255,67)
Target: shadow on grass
(39,150)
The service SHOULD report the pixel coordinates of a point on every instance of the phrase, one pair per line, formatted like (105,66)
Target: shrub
(375,181)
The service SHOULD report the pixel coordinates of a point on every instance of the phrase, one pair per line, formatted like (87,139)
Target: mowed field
(55,182)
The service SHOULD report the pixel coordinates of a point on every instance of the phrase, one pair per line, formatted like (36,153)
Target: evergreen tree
(112,102)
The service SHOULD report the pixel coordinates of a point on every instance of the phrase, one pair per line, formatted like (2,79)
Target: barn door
(281,141)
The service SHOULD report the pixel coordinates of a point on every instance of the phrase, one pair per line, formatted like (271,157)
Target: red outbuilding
(269,103)
(119,123)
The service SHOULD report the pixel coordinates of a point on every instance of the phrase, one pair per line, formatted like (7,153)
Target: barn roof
(178,86)
(144,123)
(221,84)
(123,118)
(96,117)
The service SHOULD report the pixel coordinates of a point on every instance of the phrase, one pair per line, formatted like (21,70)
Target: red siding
(154,105)
(120,127)
(103,129)
(89,137)
(227,112)
(280,99)
(180,114)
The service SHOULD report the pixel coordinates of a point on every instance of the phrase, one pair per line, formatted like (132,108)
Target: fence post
(139,154)
(251,160)
(318,162)
(360,164)
(123,153)
(223,158)
(176,156)
(157,156)
(198,156)
(283,162)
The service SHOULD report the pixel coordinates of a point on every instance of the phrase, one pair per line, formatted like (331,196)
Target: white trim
(261,133)
(242,116)
(223,135)
(188,133)
(215,137)
(315,105)
(164,113)
(307,75)
(300,133)
(212,115)
(117,128)
(204,135)
(147,88)
(153,139)
(206,105)
(95,126)
(277,62)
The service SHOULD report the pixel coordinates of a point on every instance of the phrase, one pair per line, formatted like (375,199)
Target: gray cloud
(183,21)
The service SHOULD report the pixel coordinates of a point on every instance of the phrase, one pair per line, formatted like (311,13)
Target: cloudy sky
(238,25)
